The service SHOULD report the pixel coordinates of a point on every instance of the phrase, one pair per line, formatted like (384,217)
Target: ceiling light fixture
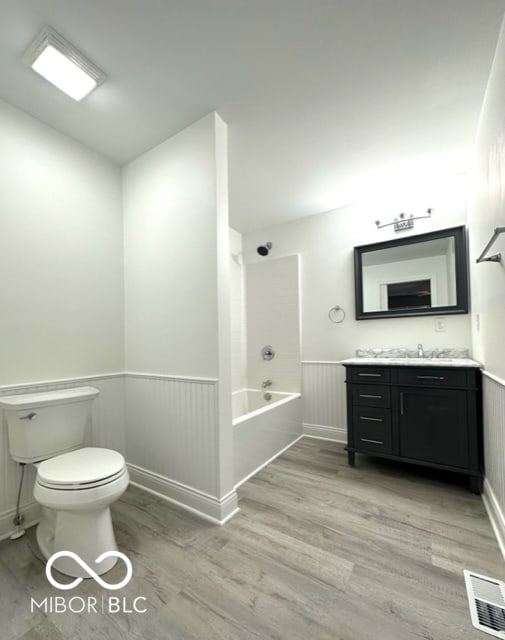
(51,56)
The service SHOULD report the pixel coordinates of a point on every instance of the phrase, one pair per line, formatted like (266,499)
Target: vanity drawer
(433,376)
(372,429)
(371,396)
(370,374)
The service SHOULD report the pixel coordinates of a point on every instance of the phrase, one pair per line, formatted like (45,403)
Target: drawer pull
(370,375)
(372,441)
(431,377)
(371,419)
(368,395)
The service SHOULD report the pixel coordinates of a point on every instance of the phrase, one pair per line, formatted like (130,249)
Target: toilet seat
(81,469)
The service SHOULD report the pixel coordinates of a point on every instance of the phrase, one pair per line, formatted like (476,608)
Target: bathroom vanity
(418,410)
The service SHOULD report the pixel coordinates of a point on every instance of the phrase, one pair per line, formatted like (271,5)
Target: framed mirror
(414,276)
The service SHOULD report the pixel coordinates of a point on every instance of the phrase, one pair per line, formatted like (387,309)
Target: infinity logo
(89,570)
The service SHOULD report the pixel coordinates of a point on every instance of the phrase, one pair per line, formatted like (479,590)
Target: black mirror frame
(461,271)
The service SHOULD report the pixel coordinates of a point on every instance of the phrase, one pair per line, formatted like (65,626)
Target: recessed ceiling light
(51,56)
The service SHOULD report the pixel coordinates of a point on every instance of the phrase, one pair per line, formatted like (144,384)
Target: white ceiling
(319,95)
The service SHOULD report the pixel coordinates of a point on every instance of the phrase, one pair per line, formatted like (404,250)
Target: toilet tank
(43,425)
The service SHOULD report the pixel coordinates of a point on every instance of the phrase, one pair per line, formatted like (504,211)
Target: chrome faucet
(266,383)
(420,351)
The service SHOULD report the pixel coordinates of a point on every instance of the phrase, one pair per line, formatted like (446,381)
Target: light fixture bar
(59,62)
(402,223)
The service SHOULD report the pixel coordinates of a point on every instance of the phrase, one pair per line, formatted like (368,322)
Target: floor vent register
(486,599)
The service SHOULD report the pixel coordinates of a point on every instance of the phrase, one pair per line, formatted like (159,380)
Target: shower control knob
(267,353)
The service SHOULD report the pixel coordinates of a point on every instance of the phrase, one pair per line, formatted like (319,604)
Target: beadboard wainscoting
(107,431)
(172,436)
(165,426)
(493,391)
(323,395)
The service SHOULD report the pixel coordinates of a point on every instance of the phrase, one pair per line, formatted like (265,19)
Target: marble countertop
(415,362)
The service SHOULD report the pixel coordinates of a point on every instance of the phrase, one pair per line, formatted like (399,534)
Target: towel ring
(336,314)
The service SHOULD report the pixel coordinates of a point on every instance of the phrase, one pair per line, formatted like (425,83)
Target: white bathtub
(262,429)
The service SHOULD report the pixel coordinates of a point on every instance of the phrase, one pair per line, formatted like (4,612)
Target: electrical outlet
(440,324)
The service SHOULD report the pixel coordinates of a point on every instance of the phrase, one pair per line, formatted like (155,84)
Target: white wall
(169,201)
(61,255)
(325,243)
(487,211)
(177,314)
(273,318)
(61,283)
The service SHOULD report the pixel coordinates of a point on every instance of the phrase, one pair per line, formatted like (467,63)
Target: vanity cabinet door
(433,426)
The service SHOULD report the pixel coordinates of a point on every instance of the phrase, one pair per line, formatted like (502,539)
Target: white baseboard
(338,434)
(495,515)
(215,510)
(30,511)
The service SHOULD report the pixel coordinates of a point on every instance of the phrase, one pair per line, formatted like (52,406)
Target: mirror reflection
(419,276)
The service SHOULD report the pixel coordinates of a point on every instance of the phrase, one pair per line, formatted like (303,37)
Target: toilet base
(86,533)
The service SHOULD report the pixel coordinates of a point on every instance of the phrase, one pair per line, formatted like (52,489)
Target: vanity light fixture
(402,222)
(59,62)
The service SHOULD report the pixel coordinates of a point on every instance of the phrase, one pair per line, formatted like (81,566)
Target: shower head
(264,249)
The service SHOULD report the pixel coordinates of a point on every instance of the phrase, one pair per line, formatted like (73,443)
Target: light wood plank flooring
(318,551)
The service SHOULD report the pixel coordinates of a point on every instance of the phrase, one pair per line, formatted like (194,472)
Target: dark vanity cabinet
(425,415)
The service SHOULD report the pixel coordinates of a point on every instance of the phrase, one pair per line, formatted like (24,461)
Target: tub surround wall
(487,204)
(273,318)
(238,313)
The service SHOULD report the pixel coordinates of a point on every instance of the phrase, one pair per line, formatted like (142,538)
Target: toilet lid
(83,466)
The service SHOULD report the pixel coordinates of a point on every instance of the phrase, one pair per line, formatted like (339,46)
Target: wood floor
(318,551)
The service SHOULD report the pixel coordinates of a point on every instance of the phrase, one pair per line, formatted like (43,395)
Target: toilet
(75,485)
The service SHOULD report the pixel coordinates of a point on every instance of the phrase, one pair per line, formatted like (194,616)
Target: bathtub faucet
(266,383)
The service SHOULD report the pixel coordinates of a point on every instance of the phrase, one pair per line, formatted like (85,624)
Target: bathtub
(262,429)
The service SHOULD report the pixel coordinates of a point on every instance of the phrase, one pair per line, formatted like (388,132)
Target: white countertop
(415,362)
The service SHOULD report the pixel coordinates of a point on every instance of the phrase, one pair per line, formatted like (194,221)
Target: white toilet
(75,484)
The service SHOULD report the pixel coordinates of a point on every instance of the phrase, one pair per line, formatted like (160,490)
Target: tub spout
(266,383)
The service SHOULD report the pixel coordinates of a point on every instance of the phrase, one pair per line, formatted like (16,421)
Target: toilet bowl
(75,484)
(76,490)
